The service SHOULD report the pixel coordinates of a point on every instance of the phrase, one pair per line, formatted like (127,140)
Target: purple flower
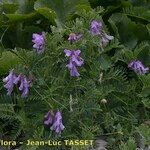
(17,79)
(75,61)
(73,70)
(106,38)
(12,79)
(96,27)
(138,67)
(74,37)
(9,82)
(48,118)
(57,123)
(24,86)
(39,42)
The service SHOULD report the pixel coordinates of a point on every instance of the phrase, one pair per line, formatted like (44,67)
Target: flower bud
(104,101)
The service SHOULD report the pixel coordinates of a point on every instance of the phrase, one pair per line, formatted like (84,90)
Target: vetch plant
(74,61)
(138,67)
(54,121)
(24,86)
(9,82)
(20,80)
(57,125)
(96,29)
(100,97)
(48,118)
(39,42)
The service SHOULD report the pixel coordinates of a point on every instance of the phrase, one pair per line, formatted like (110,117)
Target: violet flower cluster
(74,55)
(96,29)
(74,61)
(54,121)
(21,81)
(39,42)
(138,67)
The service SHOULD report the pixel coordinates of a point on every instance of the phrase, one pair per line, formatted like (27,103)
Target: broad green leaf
(47,13)
(83,7)
(130,32)
(24,36)
(114,27)
(61,7)
(9,7)
(105,61)
(20,17)
(138,14)
(25,6)
(8,60)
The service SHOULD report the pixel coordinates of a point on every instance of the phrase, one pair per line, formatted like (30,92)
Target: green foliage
(8,60)
(144,130)
(18,16)
(108,99)
(61,7)
(129,145)
(132,34)
(141,139)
